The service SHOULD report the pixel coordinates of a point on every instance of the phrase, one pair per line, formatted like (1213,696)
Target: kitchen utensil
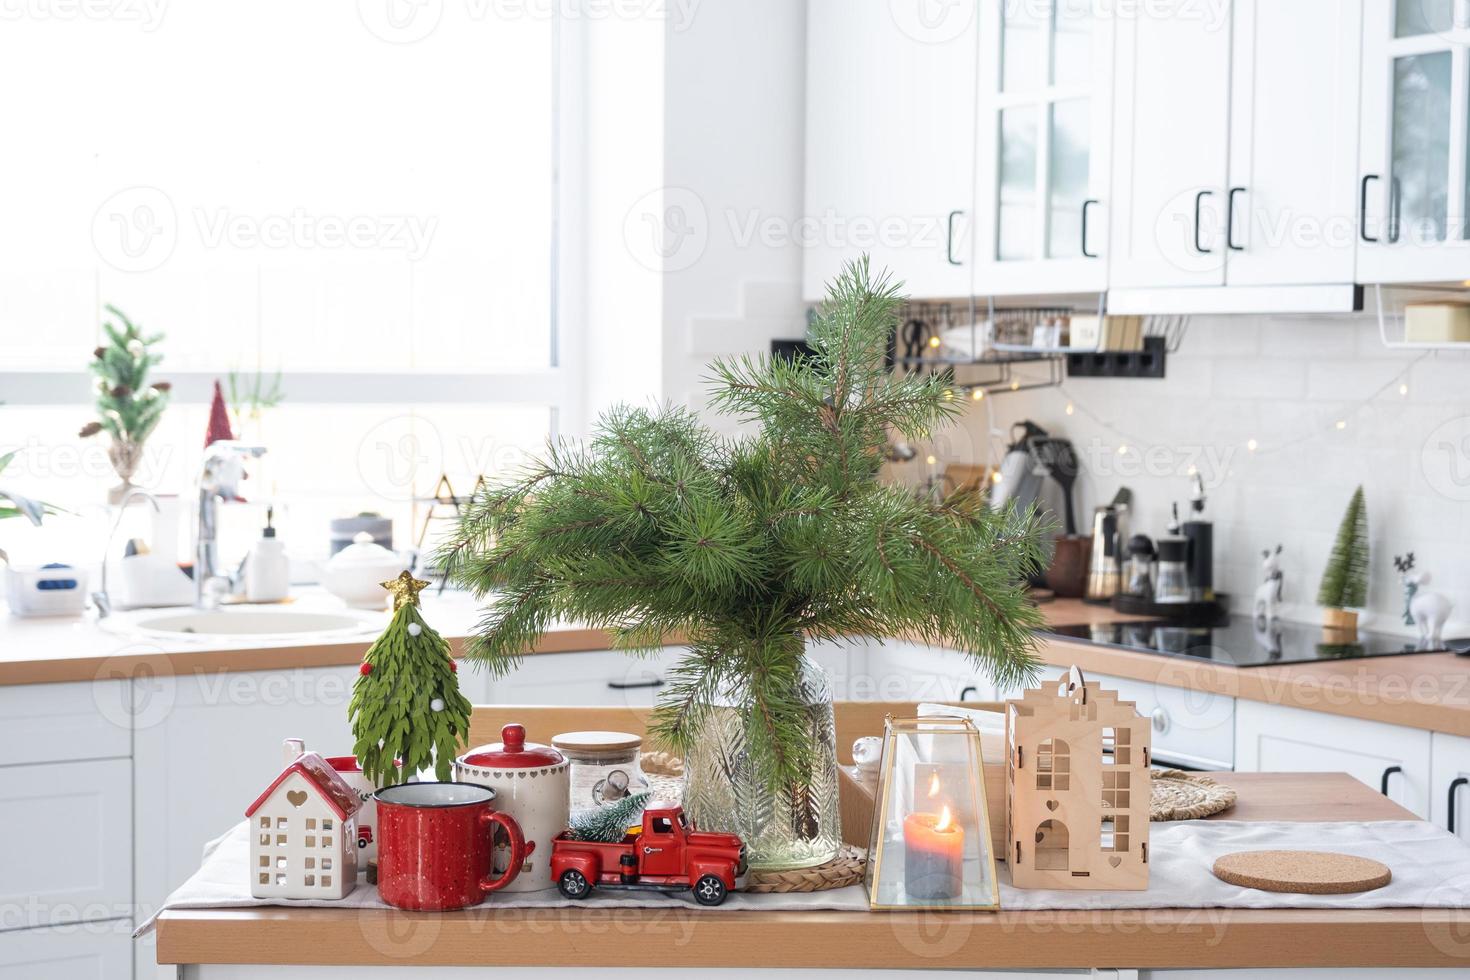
(532,783)
(1059,459)
(54,589)
(913,334)
(1138,579)
(1067,574)
(1173,572)
(436,845)
(356,573)
(1020,470)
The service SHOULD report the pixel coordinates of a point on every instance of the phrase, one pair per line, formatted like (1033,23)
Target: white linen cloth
(1431,869)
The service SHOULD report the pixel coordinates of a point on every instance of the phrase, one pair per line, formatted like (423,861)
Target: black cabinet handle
(1230,220)
(949,239)
(1363,209)
(1454,786)
(1198,199)
(972,689)
(1383,784)
(634,685)
(1085,205)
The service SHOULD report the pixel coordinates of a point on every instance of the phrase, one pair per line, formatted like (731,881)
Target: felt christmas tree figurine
(406,705)
(1345,580)
(609,824)
(219,420)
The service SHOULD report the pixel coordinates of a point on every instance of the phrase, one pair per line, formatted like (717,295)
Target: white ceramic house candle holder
(303,834)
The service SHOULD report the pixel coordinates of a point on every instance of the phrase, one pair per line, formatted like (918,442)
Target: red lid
(513,753)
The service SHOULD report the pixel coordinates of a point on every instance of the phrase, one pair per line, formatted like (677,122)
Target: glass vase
(797,825)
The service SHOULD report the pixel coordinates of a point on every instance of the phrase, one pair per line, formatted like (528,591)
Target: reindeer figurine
(1268,593)
(1427,610)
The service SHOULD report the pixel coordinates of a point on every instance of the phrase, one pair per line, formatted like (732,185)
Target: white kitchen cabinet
(1412,158)
(1044,147)
(1274,738)
(99,951)
(64,722)
(1449,784)
(890,143)
(1190,727)
(1291,202)
(901,670)
(606,677)
(1171,150)
(68,829)
(208,744)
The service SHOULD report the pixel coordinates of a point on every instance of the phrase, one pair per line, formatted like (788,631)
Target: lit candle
(934,850)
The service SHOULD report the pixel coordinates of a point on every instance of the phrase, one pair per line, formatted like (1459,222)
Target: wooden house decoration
(1077,788)
(303,833)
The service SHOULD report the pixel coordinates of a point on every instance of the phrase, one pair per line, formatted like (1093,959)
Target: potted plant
(747,550)
(1344,587)
(14,505)
(128,407)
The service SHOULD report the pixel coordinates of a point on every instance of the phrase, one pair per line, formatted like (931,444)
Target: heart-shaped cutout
(297,798)
(1115,860)
(1052,805)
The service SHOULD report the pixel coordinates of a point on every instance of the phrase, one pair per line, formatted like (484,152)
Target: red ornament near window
(365,669)
(453,667)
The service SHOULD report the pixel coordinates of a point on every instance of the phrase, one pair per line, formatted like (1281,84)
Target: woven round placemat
(665,772)
(1181,795)
(845,869)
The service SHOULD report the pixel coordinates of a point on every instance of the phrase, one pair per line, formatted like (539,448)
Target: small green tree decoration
(1345,580)
(746,548)
(406,706)
(609,824)
(128,407)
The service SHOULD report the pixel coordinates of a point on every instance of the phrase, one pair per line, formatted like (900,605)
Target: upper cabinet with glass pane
(1413,173)
(1042,167)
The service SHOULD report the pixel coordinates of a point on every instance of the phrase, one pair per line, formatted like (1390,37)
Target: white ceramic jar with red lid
(531,784)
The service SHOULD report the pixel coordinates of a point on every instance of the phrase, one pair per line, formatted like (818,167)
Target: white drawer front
(97,951)
(60,722)
(604,677)
(68,831)
(1189,727)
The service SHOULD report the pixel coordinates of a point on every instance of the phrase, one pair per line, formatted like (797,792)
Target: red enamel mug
(436,845)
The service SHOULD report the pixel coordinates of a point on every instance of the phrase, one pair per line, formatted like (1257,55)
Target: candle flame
(944,819)
(933,785)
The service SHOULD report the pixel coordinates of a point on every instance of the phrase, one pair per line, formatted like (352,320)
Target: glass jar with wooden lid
(605,767)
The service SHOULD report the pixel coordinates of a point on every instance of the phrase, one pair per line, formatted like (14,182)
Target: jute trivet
(1187,796)
(845,869)
(1302,872)
(665,772)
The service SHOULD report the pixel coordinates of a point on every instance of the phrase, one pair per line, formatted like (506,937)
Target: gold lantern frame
(943,726)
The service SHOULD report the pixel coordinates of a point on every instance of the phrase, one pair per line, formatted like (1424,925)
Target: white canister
(531,783)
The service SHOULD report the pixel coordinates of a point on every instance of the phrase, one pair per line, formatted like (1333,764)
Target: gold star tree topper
(405,589)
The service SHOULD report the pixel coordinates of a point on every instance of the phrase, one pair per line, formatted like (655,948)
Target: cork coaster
(1303,872)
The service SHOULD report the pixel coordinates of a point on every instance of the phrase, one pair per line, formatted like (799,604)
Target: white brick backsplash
(1279,380)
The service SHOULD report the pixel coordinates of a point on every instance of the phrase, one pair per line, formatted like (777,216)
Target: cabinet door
(1044,141)
(1272,738)
(1292,200)
(1171,105)
(603,677)
(1413,149)
(205,745)
(69,842)
(68,953)
(899,670)
(1189,727)
(890,142)
(1451,782)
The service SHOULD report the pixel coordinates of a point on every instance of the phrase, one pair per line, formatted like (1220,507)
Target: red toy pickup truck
(668,855)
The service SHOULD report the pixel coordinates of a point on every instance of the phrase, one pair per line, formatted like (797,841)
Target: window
(311,823)
(1115,747)
(1115,789)
(663,825)
(326,825)
(309,202)
(1113,836)
(1053,765)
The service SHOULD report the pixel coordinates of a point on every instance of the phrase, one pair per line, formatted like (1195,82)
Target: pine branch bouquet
(659,527)
(128,407)
(1345,580)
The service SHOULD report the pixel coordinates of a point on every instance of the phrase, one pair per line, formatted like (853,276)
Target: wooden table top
(685,936)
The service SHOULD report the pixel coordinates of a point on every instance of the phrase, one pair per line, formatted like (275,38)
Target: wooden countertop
(684,936)
(1429,691)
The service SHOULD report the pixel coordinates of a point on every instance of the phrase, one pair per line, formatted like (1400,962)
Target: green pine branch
(749,547)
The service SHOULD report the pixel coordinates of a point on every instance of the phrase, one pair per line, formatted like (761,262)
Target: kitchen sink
(273,624)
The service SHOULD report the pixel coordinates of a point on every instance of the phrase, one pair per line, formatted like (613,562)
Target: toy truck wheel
(573,884)
(709,890)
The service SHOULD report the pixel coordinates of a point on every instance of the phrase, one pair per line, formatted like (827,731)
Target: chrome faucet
(219,480)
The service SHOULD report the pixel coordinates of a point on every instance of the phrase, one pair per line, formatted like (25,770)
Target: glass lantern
(930,847)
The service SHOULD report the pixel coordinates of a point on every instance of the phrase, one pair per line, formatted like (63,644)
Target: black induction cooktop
(1241,642)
